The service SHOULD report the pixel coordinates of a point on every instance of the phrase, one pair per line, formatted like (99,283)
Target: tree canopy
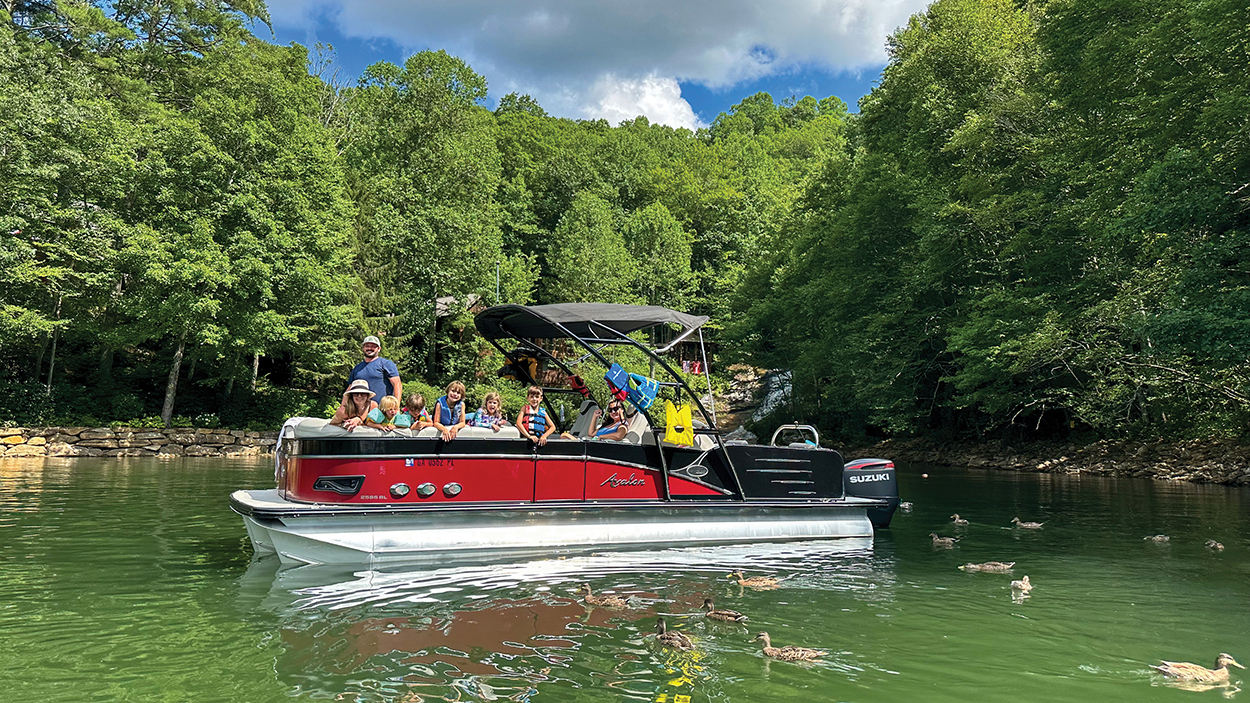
(1035,224)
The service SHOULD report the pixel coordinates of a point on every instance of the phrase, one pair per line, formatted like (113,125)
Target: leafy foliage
(1038,228)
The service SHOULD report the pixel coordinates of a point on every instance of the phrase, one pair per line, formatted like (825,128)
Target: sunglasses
(614,408)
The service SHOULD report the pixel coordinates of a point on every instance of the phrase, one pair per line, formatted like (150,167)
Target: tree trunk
(230,381)
(55,333)
(106,364)
(43,348)
(255,369)
(171,388)
(432,359)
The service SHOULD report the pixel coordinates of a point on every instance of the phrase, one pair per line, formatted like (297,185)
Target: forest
(1035,224)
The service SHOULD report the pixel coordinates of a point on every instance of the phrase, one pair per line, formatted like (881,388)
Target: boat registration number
(445,463)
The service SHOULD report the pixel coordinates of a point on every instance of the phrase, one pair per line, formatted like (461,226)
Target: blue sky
(677,62)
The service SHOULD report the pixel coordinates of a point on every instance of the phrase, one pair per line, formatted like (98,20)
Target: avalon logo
(615,482)
(870,478)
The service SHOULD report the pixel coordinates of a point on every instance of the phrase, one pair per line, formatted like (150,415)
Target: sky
(677,62)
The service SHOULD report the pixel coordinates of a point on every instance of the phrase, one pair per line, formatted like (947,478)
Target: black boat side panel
(784,472)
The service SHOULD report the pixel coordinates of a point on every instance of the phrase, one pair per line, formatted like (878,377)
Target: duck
(905,506)
(672,638)
(959,521)
(788,653)
(1212,544)
(754,581)
(1027,525)
(947,542)
(1022,584)
(608,601)
(724,615)
(1184,671)
(993,567)
(1157,539)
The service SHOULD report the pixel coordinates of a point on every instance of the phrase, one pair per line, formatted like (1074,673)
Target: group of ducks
(675,639)
(1180,671)
(1161,539)
(1019,587)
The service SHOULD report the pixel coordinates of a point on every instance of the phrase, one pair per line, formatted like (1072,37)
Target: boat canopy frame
(590,324)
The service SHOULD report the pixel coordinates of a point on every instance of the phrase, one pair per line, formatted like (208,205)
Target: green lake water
(132,580)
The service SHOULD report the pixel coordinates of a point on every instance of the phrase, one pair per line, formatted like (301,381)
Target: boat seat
(508,432)
(639,430)
(320,427)
(702,442)
(584,425)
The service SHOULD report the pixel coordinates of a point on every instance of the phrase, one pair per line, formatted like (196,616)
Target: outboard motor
(873,478)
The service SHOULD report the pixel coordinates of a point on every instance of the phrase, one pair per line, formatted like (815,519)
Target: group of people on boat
(372,399)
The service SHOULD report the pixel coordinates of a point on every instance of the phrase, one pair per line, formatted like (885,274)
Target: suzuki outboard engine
(873,478)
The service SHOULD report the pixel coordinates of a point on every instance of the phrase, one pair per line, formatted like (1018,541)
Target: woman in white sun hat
(357,402)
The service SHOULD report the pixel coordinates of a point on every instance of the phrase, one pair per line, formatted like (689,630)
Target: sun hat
(371,340)
(360,385)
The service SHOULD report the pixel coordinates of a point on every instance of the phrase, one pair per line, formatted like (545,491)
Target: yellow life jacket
(678,428)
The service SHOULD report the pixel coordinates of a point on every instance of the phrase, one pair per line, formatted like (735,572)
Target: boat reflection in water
(504,631)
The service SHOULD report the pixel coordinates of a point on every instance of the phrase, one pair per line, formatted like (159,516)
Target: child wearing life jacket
(449,412)
(384,416)
(533,422)
(491,413)
(414,413)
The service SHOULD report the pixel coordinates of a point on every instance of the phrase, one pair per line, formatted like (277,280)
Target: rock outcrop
(133,441)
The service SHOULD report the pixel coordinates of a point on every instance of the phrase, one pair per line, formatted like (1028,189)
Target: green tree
(661,250)
(587,260)
(423,169)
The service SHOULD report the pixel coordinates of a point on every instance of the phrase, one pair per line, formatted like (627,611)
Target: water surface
(132,580)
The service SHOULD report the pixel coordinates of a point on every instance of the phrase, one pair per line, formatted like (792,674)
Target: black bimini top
(567,319)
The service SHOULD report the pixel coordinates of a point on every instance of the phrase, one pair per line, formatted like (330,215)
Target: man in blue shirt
(377,371)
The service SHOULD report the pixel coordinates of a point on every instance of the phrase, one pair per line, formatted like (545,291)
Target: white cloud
(615,99)
(603,56)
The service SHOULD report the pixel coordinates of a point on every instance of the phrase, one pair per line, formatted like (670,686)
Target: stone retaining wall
(1199,461)
(133,441)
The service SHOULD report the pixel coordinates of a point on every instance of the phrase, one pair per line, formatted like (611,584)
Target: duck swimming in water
(1157,539)
(1027,525)
(1022,585)
(672,638)
(1184,671)
(946,542)
(724,615)
(763,582)
(959,521)
(789,653)
(993,567)
(1213,545)
(608,601)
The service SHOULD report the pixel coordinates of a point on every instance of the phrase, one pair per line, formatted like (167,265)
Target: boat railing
(797,428)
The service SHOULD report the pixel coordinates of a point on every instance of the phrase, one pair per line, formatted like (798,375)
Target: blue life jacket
(445,414)
(535,421)
(618,381)
(643,390)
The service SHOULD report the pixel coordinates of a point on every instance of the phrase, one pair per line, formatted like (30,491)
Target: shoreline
(133,441)
(1224,462)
